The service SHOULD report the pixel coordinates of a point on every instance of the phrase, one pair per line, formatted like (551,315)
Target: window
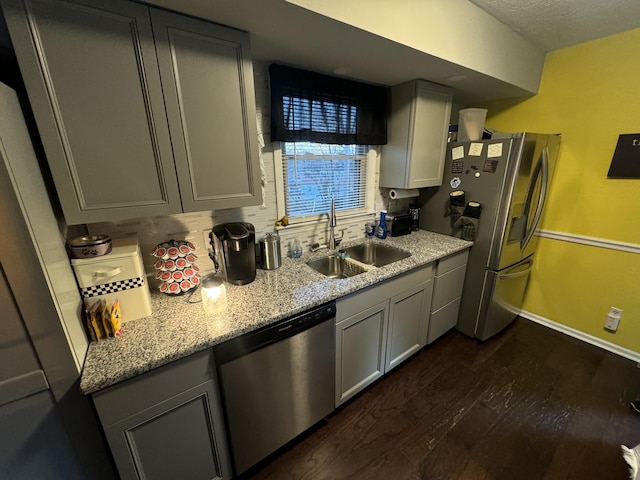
(315,173)
(325,125)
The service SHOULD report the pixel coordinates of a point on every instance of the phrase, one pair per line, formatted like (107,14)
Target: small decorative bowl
(89,246)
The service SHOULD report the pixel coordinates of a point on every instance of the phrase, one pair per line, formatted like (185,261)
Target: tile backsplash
(195,227)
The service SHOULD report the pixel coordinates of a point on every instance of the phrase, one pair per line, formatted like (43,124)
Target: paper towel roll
(396,193)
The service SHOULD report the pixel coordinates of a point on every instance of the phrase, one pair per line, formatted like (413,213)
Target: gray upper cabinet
(417,135)
(133,126)
(207,78)
(93,83)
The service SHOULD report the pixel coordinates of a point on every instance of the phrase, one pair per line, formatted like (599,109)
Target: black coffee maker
(234,252)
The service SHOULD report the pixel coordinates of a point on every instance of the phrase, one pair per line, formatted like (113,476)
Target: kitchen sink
(367,255)
(376,254)
(334,267)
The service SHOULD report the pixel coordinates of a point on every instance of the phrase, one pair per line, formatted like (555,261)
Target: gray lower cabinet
(372,341)
(167,423)
(361,341)
(408,324)
(141,112)
(447,294)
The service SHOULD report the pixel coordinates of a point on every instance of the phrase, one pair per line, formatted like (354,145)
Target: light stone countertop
(177,328)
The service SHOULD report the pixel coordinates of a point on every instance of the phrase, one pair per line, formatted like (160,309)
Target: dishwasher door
(278,391)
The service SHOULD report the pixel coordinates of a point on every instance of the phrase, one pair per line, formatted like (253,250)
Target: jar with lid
(271,257)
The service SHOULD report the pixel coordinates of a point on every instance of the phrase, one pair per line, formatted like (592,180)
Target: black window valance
(311,107)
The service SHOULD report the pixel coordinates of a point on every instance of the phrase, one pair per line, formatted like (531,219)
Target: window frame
(372,172)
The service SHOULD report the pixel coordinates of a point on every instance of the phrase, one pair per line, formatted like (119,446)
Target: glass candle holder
(214,295)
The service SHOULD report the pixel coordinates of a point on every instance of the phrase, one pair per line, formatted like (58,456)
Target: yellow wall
(590,93)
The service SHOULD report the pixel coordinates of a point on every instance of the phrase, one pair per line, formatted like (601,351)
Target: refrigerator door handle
(541,168)
(506,276)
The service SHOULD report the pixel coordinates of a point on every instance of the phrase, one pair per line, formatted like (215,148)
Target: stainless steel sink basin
(334,267)
(376,254)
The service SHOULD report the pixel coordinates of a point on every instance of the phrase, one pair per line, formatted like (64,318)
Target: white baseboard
(572,332)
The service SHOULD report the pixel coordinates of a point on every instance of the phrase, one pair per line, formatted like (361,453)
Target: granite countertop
(177,328)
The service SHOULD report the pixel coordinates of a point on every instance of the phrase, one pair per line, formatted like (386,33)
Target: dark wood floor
(530,403)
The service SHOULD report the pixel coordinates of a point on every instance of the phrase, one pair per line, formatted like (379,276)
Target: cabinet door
(173,439)
(360,350)
(91,73)
(408,324)
(429,130)
(414,154)
(207,79)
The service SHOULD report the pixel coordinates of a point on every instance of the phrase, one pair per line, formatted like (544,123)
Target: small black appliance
(234,252)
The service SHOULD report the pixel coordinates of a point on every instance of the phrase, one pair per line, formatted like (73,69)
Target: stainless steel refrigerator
(510,178)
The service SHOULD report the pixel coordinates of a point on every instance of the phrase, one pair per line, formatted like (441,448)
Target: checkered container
(118,274)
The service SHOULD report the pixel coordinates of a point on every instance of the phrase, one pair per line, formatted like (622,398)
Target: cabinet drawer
(452,261)
(443,320)
(447,287)
(131,396)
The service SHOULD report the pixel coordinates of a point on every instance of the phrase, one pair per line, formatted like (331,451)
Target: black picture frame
(626,157)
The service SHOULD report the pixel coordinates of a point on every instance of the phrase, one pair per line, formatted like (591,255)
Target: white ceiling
(553,24)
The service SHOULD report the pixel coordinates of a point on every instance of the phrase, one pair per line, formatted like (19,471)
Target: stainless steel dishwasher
(276,382)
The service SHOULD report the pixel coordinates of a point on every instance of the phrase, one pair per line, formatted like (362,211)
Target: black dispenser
(234,252)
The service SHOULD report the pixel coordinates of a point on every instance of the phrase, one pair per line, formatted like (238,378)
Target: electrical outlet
(616,312)
(613,319)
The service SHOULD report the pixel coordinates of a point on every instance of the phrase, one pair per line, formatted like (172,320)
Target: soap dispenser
(295,249)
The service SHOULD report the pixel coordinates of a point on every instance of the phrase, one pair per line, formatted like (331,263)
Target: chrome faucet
(332,224)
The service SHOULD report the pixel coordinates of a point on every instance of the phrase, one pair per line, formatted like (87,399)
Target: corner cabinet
(417,135)
(167,423)
(373,341)
(141,112)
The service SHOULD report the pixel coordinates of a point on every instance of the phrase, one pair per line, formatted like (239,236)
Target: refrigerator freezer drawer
(502,298)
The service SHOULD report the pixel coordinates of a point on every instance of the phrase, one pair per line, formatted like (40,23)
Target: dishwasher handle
(276,332)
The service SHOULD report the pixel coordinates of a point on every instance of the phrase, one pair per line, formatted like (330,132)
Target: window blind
(311,107)
(316,173)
